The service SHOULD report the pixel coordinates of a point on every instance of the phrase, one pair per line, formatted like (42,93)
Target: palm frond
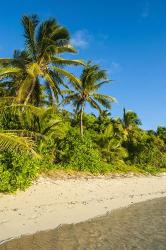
(27,134)
(21,108)
(94,104)
(100,84)
(50,125)
(30,23)
(51,35)
(104,100)
(10,141)
(66,48)
(71,98)
(62,61)
(67,92)
(24,89)
(107,97)
(53,86)
(68,75)
(8,71)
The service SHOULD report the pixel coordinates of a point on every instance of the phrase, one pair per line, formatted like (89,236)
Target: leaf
(11,141)
(9,70)
(68,75)
(59,60)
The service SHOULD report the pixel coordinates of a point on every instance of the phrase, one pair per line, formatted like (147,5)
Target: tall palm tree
(40,59)
(91,80)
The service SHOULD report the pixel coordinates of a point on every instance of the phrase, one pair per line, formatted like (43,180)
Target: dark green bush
(149,154)
(16,171)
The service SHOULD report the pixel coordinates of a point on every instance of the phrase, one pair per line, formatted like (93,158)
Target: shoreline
(50,202)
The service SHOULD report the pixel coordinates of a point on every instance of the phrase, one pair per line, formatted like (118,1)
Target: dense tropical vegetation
(38,133)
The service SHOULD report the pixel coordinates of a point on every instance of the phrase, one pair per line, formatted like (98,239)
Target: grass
(106,170)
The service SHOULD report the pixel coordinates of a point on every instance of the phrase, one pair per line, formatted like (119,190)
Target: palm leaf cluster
(91,80)
(38,69)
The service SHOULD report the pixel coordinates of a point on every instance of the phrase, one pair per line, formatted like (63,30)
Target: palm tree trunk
(81,122)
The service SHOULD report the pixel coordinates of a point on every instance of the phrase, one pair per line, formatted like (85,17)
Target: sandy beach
(50,202)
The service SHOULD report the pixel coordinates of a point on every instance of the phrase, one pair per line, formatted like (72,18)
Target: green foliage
(44,43)
(161,133)
(146,149)
(78,153)
(34,123)
(119,167)
(110,144)
(92,79)
(16,171)
(130,119)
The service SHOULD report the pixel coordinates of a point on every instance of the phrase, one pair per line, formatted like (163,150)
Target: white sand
(49,203)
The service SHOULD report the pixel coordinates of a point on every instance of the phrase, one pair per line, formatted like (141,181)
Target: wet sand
(51,202)
(140,226)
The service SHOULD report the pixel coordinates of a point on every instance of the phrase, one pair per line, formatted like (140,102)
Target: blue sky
(128,38)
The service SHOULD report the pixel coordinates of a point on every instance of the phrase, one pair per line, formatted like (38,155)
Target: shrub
(149,155)
(16,171)
(79,153)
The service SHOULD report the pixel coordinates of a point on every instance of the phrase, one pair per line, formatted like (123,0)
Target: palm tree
(40,59)
(105,114)
(111,144)
(130,119)
(91,80)
(33,123)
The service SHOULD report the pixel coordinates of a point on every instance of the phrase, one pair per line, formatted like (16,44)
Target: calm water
(141,226)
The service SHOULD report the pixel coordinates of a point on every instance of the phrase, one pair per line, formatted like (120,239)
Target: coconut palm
(25,124)
(91,80)
(40,59)
(111,144)
(130,119)
(32,123)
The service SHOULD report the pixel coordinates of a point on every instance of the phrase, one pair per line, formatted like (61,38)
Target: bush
(149,156)
(16,171)
(78,153)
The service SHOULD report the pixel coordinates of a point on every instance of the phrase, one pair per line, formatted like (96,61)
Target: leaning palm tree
(37,71)
(91,80)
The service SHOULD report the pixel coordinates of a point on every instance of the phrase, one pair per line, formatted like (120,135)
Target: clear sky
(127,37)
